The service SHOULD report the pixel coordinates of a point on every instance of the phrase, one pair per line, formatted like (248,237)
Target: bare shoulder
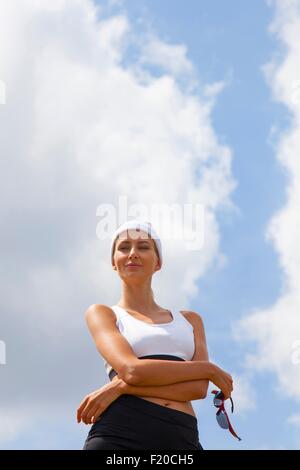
(193,317)
(96,310)
(111,344)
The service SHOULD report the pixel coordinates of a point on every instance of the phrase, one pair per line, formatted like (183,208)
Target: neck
(137,298)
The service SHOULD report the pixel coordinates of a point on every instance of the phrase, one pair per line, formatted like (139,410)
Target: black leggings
(133,423)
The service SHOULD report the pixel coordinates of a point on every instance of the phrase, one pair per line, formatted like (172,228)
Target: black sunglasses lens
(222,420)
(218,399)
(217,402)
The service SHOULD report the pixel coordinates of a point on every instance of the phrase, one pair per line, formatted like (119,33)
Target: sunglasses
(222,417)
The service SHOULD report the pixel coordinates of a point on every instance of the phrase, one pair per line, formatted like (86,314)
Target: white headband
(138,225)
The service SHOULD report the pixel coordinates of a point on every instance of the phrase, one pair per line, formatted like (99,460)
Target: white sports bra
(167,341)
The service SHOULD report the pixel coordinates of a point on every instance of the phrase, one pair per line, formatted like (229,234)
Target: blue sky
(249,301)
(230,40)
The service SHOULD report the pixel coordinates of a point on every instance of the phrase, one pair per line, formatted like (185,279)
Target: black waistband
(139,405)
(165,357)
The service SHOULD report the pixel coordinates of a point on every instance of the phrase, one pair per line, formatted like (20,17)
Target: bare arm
(159,372)
(181,391)
(95,403)
(117,351)
(114,347)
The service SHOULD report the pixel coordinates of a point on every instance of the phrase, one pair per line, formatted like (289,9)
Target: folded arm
(149,372)
(171,380)
(114,347)
(117,351)
(95,403)
(180,391)
(152,380)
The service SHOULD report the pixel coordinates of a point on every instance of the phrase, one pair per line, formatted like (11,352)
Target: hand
(222,380)
(95,403)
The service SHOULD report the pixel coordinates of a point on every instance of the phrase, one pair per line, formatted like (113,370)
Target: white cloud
(275,330)
(13,423)
(294,419)
(170,57)
(79,129)
(243,395)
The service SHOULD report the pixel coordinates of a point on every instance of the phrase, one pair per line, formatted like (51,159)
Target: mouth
(133,265)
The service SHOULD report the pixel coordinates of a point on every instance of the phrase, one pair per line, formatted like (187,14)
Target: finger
(97,415)
(85,412)
(82,403)
(88,417)
(80,408)
(79,414)
(91,414)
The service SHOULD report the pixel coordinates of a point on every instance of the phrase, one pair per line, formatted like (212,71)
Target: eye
(141,247)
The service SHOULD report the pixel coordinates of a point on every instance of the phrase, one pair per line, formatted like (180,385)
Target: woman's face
(137,248)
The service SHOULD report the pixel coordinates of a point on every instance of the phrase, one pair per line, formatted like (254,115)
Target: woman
(157,360)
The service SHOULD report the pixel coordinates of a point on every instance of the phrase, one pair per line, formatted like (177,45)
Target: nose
(132,252)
